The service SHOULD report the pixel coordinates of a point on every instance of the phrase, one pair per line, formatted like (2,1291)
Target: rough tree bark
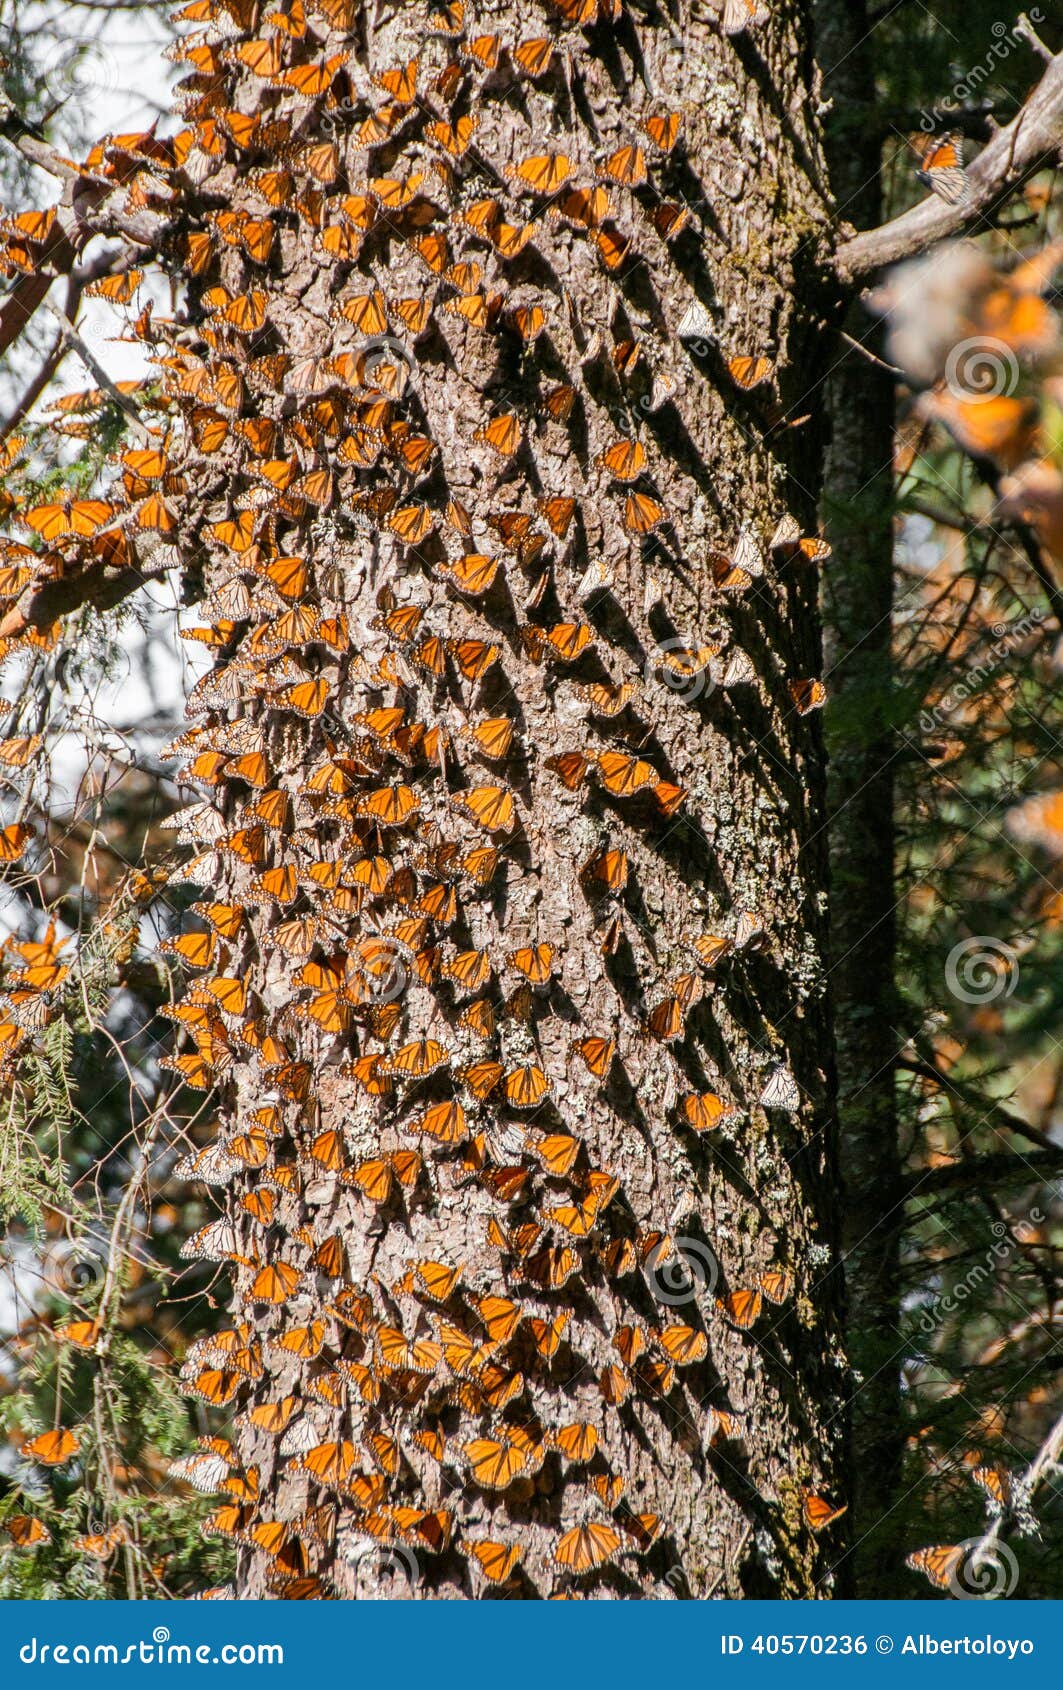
(329,420)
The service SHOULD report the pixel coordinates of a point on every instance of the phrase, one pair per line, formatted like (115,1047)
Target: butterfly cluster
(407,1003)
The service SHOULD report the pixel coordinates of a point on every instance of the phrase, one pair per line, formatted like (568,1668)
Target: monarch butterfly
(25,1531)
(545,173)
(481,1078)
(939,1562)
(626,166)
(941,166)
(576,1442)
(558,1153)
(13,841)
(790,546)
(500,1316)
(494,736)
(507,1184)
(236,533)
(670,219)
(52,1449)
(445,1122)
(118,289)
(525,1087)
(684,1345)
(454,138)
(552,1266)
(589,11)
(578,1218)
(559,401)
(367,311)
(588,1546)
(819,1514)
(519,1241)
(547,1334)
(415,1061)
(479,310)
(612,247)
(624,775)
(495,1560)
(309,82)
(377,1176)
(741,1308)
(329,1463)
(437,1280)
(263,58)
(533,57)
(400,83)
(483,49)
(775,1285)
(529,322)
(449,20)
(748,372)
(780,1090)
(619,1257)
(69,518)
(492,806)
(391,806)
(739,15)
(624,459)
(704,1111)
(418,1355)
(571,766)
(663,130)
(995,1482)
(597,1054)
(614,1385)
(502,433)
(494,1463)
(642,514)
(275,1283)
(535,963)
(81,1333)
(808,695)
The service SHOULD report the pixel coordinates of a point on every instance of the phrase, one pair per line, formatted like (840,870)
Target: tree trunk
(859,509)
(570,1184)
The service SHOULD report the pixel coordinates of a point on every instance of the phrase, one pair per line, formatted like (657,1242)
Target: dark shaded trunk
(858,513)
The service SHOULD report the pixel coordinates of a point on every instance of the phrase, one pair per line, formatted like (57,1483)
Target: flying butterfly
(941,167)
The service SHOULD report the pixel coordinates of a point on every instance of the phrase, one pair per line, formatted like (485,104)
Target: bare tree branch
(95,368)
(58,598)
(48,365)
(1034,136)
